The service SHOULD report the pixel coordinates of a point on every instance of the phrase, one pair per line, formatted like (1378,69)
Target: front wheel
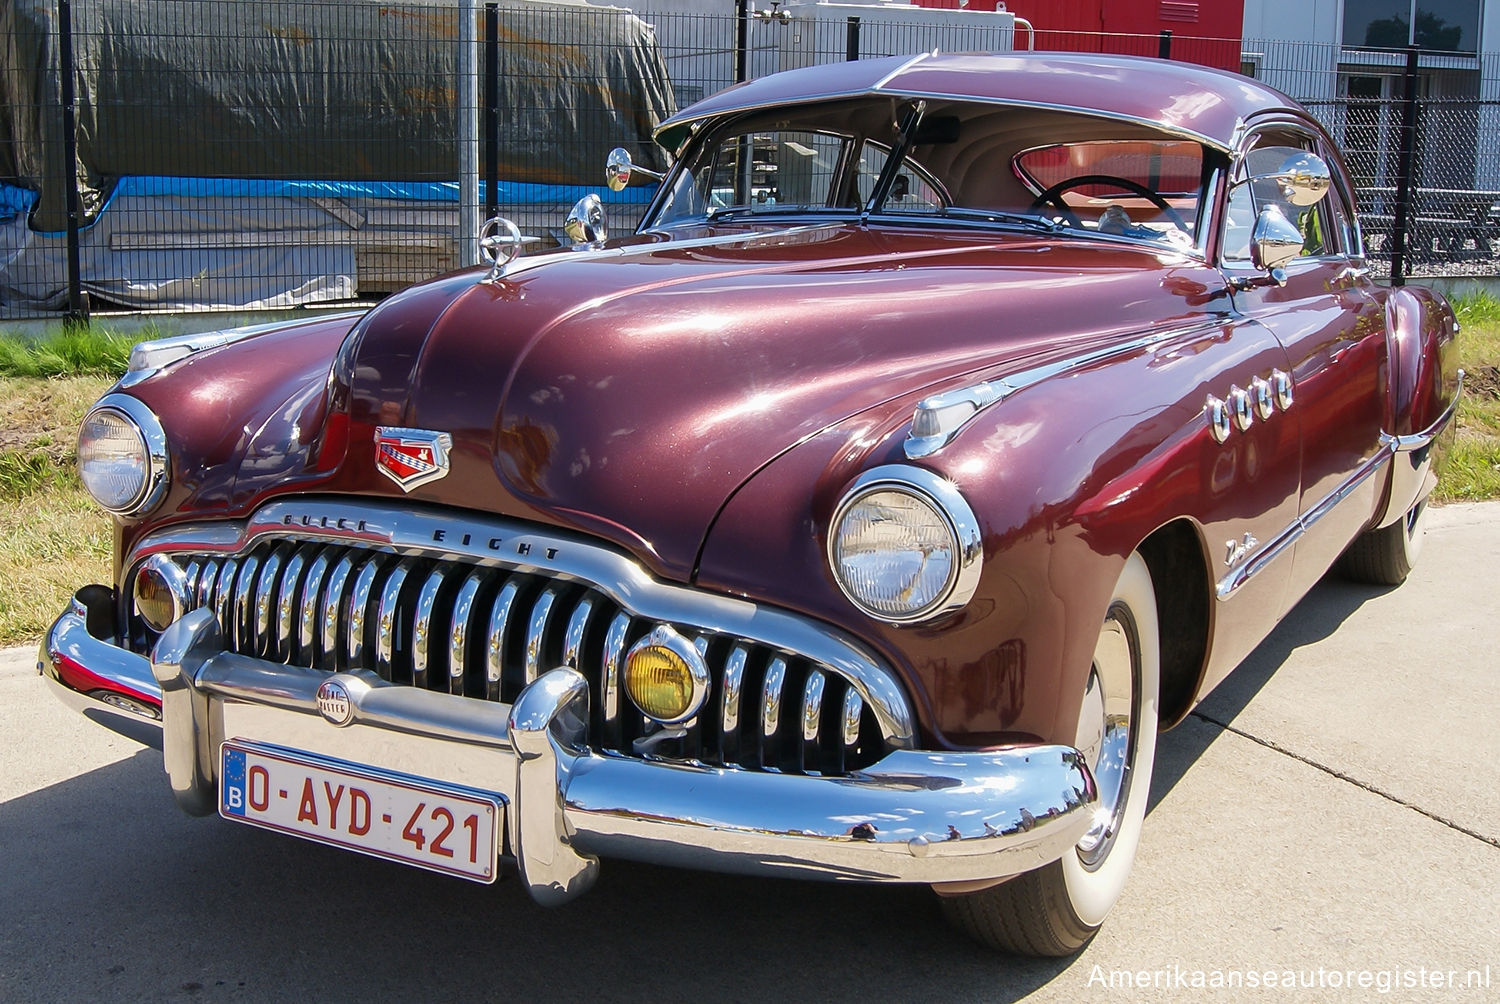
(1056,909)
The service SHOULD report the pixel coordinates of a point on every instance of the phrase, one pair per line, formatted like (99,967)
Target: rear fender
(1423,385)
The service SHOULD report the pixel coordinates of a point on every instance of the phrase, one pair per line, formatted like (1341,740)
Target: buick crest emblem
(412,457)
(334,703)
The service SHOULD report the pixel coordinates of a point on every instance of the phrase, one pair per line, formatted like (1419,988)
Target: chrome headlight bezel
(943,498)
(153,440)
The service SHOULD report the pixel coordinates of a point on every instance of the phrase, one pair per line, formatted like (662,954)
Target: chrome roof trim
(496,542)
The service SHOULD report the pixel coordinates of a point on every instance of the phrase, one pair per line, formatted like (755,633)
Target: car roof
(1193,101)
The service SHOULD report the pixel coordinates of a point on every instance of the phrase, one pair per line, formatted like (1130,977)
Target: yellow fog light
(666,677)
(160,592)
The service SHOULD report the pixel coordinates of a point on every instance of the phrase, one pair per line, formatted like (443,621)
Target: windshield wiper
(733,212)
(893,163)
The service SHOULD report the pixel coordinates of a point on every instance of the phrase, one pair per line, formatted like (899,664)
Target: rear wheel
(1056,909)
(1386,556)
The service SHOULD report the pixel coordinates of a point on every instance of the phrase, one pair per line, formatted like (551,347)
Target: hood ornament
(412,457)
(500,243)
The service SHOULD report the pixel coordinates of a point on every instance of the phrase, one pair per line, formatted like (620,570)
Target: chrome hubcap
(1104,730)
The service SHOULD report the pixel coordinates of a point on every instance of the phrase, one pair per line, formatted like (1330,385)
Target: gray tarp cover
(348,91)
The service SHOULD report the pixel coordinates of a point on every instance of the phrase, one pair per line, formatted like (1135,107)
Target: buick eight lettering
(949,426)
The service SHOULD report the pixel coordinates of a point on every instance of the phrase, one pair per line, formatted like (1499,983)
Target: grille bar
(486,632)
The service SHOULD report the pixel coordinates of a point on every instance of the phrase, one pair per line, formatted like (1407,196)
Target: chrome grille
(484,632)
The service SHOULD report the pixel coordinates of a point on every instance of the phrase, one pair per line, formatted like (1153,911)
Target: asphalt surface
(1328,817)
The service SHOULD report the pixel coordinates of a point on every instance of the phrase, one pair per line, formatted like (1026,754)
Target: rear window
(1169,167)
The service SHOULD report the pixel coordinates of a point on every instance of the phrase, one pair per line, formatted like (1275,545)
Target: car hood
(630,392)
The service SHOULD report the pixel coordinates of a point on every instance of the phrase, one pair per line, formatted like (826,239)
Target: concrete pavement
(1327,817)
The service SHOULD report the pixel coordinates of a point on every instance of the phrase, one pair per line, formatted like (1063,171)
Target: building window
(1435,25)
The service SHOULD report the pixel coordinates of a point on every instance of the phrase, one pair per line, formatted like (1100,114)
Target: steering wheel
(1052,197)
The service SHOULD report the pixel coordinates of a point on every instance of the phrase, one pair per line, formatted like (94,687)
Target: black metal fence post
(78,306)
(851,39)
(1164,45)
(741,41)
(491,109)
(1406,169)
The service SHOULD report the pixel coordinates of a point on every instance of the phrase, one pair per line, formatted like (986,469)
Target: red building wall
(1203,31)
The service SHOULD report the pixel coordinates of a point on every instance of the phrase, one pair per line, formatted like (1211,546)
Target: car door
(1332,328)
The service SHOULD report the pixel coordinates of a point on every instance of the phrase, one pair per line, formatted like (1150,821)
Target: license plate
(410,820)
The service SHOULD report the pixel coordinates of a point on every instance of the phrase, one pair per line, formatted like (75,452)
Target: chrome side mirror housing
(586,224)
(1303,178)
(1274,241)
(618,169)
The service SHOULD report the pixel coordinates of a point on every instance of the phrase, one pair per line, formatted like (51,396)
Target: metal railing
(259,153)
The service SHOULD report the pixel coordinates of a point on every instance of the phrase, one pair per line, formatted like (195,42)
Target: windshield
(962,163)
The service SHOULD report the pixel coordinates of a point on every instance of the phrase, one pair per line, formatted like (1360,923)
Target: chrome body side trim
(1411,464)
(914,816)
(1412,476)
(942,417)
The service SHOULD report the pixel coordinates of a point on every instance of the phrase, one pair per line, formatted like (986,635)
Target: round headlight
(904,545)
(122,455)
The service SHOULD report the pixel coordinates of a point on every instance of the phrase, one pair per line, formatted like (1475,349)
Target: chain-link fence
(262,153)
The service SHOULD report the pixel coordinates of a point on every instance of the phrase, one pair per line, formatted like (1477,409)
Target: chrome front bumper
(928,817)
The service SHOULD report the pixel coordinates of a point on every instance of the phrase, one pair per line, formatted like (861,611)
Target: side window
(1325,225)
(910,192)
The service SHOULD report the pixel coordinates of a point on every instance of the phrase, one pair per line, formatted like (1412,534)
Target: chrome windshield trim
(493,542)
(878,91)
(941,417)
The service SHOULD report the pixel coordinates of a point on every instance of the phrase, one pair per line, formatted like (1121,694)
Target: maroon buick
(949,426)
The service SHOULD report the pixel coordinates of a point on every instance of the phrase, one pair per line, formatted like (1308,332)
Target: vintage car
(950,425)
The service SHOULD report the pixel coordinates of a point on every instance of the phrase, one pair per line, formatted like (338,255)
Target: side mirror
(618,169)
(1303,178)
(1274,241)
(586,224)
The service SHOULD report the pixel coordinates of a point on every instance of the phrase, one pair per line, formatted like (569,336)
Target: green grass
(73,350)
(1471,471)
